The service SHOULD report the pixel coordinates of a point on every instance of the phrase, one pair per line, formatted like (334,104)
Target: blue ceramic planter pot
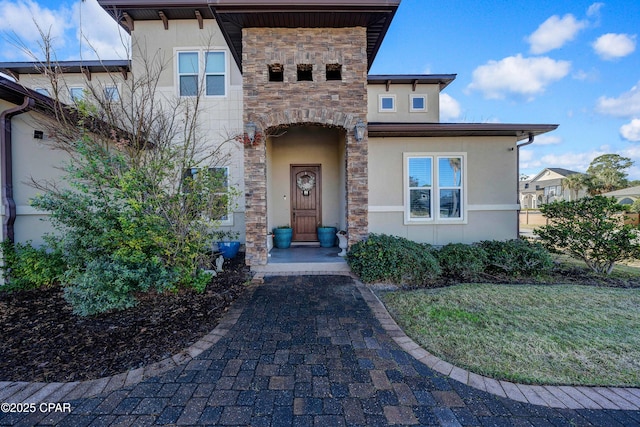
(229,249)
(327,236)
(282,237)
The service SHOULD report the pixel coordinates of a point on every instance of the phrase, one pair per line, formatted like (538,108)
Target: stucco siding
(489,189)
(402,94)
(305,146)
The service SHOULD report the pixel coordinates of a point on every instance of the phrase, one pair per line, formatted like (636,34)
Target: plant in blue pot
(228,243)
(327,236)
(282,236)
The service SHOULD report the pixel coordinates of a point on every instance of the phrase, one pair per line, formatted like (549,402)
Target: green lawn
(535,334)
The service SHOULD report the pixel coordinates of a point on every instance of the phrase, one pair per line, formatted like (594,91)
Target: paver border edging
(36,392)
(565,397)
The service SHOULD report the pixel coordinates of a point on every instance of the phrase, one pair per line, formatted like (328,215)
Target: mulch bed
(42,340)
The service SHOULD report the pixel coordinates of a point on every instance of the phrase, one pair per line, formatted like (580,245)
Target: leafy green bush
(395,259)
(107,285)
(28,267)
(589,229)
(517,257)
(461,261)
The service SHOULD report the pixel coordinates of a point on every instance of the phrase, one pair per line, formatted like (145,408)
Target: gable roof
(559,171)
(235,15)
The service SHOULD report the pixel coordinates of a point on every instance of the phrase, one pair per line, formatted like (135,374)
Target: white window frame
(202,74)
(76,98)
(386,110)
(435,217)
(417,96)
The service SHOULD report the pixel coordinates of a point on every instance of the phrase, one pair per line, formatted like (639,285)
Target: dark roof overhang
(15,93)
(14,69)
(443,80)
(234,15)
(519,131)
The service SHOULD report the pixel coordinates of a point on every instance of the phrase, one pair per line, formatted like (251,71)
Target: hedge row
(384,258)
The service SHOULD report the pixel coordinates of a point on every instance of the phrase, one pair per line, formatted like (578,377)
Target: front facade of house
(297,74)
(547,187)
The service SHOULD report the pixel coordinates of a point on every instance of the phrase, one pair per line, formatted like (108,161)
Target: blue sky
(573,63)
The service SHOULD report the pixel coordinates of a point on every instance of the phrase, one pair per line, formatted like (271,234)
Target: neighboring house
(626,196)
(547,187)
(297,73)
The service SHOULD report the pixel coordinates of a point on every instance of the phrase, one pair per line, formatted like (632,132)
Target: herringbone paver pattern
(308,351)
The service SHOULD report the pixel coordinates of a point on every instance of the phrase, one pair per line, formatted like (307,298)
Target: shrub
(107,285)
(517,257)
(28,267)
(589,229)
(395,259)
(461,261)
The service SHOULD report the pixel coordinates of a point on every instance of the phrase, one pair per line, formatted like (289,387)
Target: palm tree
(574,183)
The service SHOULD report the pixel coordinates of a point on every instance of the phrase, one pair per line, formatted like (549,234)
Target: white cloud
(572,161)
(594,10)
(105,41)
(631,131)
(554,33)
(517,76)
(613,46)
(21,20)
(548,140)
(626,105)
(449,108)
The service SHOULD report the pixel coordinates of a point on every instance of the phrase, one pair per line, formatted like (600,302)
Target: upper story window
(386,103)
(215,66)
(42,91)
(417,103)
(434,187)
(111,93)
(305,72)
(76,93)
(188,71)
(209,67)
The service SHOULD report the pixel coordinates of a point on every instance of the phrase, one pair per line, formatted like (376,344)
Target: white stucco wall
(489,185)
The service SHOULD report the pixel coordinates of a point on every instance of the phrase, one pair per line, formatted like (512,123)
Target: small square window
(305,72)
(334,71)
(77,93)
(418,103)
(276,72)
(111,93)
(387,103)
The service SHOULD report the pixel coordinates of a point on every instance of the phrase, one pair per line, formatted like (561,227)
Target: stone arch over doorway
(255,159)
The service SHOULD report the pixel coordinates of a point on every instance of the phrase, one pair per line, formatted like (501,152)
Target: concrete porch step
(302,267)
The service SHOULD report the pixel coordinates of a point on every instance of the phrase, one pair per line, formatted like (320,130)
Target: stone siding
(334,103)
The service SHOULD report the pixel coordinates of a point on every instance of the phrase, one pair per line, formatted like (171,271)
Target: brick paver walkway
(307,350)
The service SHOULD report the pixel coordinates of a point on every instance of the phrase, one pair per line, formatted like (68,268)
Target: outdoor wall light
(250,129)
(359,130)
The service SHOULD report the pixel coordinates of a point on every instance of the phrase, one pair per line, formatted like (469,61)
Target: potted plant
(327,236)
(282,236)
(227,242)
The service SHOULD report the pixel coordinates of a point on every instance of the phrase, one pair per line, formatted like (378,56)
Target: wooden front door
(306,202)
